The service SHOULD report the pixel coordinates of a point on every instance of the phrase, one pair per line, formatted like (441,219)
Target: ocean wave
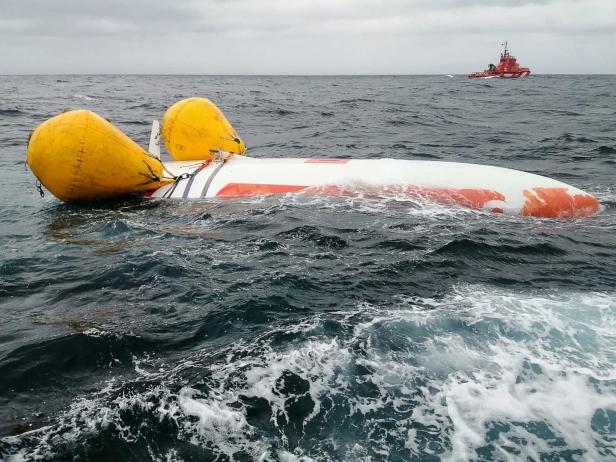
(478,250)
(605,150)
(11,112)
(310,328)
(480,373)
(83,97)
(278,112)
(313,234)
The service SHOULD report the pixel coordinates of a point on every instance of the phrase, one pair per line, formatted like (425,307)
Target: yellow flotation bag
(195,129)
(79,156)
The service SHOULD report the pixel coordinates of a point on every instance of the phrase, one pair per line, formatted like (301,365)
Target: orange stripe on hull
(540,202)
(558,203)
(473,198)
(256,189)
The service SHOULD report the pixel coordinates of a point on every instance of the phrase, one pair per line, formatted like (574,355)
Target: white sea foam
(478,374)
(217,424)
(392,204)
(83,97)
(537,368)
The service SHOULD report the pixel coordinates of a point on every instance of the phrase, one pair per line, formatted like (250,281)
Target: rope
(39,188)
(184,176)
(176,181)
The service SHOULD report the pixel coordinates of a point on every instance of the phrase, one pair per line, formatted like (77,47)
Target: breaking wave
(477,374)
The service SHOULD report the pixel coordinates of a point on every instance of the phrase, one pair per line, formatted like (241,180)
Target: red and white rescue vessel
(507,68)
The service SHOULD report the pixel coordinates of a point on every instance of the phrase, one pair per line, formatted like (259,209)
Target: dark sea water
(314,329)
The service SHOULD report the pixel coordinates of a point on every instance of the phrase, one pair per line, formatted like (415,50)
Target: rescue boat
(507,68)
(80,156)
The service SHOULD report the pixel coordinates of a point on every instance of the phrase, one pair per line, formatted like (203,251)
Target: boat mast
(505,53)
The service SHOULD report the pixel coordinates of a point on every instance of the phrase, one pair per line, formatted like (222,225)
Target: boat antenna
(505,53)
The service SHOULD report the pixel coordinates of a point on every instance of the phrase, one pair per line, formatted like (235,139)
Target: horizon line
(273,75)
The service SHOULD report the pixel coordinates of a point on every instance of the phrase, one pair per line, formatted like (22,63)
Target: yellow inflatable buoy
(195,129)
(80,156)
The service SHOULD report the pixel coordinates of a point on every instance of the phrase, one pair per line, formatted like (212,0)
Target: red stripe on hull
(256,189)
(558,203)
(540,202)
(473,198)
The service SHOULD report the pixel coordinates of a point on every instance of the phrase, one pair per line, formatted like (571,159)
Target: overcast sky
(304,36)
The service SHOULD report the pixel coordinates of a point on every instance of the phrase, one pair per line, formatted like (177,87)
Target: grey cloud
(70,17)
(298,36)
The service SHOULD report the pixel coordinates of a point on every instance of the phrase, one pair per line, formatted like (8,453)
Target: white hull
(477,186)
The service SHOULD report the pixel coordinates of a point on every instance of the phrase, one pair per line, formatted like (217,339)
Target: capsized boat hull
(482,187)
